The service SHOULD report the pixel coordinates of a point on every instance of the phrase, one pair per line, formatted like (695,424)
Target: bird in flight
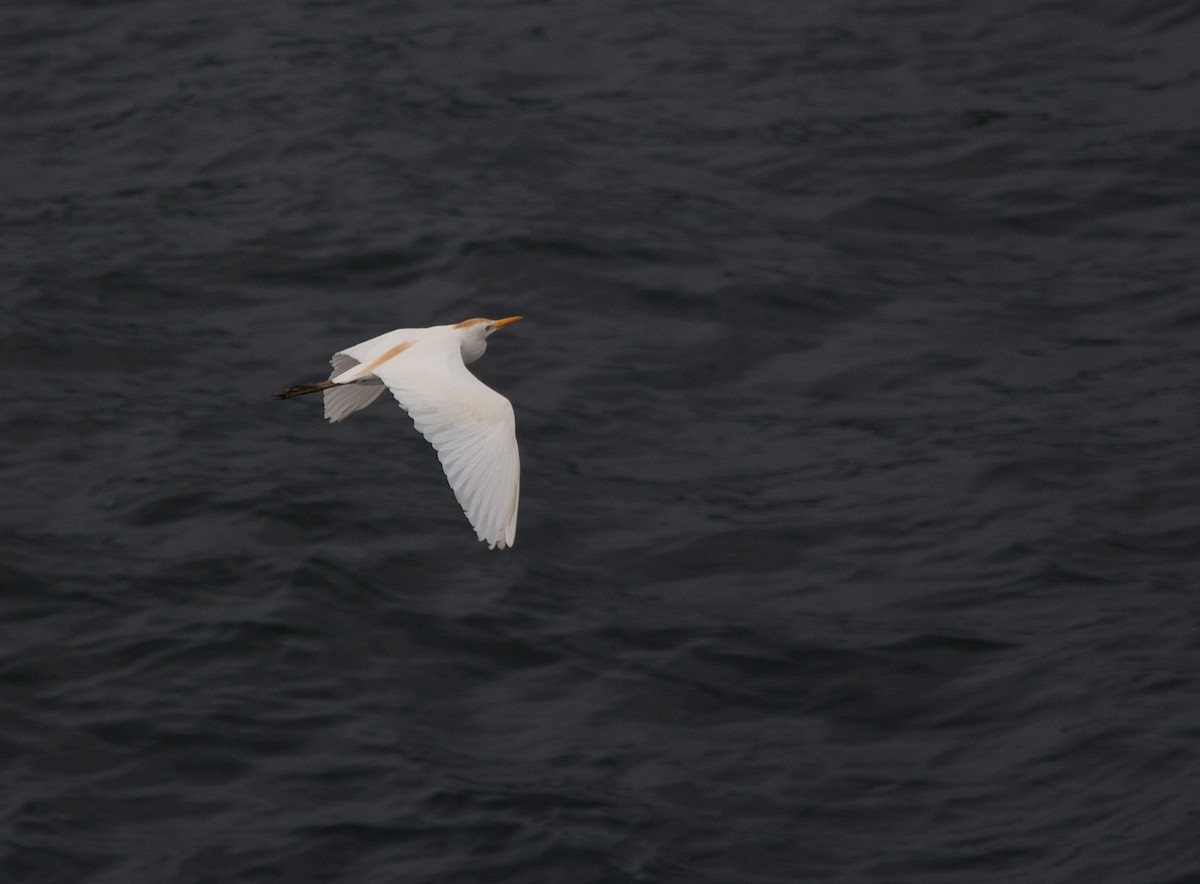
(469,424)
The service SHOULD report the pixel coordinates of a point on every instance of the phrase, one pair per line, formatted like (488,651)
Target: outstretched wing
(471,427)
(343,400)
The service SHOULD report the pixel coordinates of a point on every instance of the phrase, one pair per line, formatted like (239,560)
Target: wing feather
(471,427)
(345,399)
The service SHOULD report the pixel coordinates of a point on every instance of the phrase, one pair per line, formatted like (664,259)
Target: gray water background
(857,397)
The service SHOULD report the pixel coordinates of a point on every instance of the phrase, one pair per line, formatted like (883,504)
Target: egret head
(484,327)
(476,332)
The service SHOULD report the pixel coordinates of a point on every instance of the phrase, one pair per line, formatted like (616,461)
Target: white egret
(470,425)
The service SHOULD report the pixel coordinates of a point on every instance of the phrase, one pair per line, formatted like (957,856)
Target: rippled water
(857,398)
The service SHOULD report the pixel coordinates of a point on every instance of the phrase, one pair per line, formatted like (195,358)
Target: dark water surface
(860,529)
